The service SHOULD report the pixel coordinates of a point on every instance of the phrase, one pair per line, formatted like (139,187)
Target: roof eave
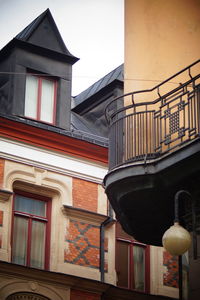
(14,43)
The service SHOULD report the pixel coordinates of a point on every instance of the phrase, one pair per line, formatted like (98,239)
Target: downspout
(102,241)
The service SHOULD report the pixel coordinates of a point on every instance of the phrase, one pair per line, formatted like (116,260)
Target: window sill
(5,195)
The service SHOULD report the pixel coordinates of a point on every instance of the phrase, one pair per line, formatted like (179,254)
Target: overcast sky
(93,30)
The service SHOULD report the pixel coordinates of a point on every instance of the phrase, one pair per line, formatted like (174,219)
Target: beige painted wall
(161,38)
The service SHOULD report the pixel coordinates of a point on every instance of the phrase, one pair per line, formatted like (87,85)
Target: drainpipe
(102,245)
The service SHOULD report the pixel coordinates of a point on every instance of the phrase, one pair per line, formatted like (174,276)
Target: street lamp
(176,240)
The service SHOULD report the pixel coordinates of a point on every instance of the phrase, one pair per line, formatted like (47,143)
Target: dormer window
(40,98)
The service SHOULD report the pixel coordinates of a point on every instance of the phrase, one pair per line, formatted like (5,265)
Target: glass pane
(30,206)
(31,96)
(139,268)
(122,264)
(47,101)
(20,237)
(37,244)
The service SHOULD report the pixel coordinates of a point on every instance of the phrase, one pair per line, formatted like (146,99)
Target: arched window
(26,296)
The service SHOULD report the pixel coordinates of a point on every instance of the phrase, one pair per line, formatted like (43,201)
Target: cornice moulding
(5,195)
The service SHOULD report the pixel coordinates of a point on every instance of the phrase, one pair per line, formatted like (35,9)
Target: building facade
(59,237)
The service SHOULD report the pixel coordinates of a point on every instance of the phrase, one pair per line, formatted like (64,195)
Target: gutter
(102,245)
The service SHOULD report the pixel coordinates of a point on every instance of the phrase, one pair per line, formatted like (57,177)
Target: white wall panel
(21,152)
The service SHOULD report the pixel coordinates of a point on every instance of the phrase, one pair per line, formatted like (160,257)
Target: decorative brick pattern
(85,194)
(2,162)
(80,295)
(83,244)
(1,218)
(170,277)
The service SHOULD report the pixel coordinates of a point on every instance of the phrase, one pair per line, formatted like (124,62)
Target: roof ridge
(110,77)
(28,30)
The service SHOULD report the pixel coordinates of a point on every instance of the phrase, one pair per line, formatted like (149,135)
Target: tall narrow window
(40,98)
(30,243)
(132,262)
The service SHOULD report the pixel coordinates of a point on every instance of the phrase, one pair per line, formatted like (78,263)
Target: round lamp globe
(176,240)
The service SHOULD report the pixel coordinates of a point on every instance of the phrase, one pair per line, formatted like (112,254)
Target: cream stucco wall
(161,38)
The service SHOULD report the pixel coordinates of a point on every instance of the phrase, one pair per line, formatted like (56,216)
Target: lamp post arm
(176,203)
(176,215)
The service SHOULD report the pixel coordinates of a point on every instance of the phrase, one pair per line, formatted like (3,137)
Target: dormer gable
(44,33)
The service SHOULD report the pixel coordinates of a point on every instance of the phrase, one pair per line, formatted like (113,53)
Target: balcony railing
(147,129)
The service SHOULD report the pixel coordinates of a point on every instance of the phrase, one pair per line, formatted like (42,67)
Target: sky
(93,31)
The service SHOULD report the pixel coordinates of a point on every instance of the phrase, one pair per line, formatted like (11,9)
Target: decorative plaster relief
(12,286)
(37,180)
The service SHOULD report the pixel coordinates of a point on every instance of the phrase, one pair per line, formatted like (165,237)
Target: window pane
(37,244)
(122,264)
(31,96)
(47,101)
(20,237)
(30,206)
(139,268)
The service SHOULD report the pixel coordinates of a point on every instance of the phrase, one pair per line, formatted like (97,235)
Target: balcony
(154,151)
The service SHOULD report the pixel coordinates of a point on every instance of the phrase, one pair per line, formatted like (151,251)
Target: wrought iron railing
(143,129)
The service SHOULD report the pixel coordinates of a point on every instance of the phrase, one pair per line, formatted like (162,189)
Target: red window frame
(39,94)
(30,218)
(130,242)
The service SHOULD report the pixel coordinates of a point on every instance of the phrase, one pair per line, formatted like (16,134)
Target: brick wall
(80,295)
(1,218)
(83,244)
(2,162)
(170,276)
(83,238)
(85,194)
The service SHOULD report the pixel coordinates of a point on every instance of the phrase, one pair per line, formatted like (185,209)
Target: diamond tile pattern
(83,244)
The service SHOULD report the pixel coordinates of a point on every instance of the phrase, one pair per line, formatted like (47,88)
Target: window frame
(30,218)
(131,243)
(39,95)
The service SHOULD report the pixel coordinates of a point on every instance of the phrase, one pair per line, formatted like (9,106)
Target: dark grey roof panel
(26,32)
(56,42)
(78,124)
(116,74)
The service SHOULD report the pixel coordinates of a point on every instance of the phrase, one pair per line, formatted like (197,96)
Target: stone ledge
(5,195)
